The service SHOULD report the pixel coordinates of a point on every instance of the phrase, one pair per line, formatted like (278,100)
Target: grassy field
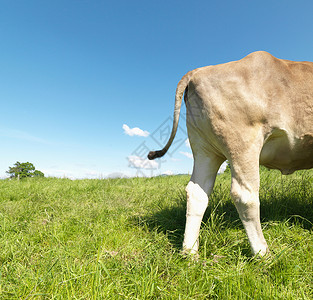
(121,239)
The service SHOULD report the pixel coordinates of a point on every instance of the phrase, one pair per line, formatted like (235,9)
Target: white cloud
(117,175)
(135,131)
(142,163)
(52,172)
(168,172)
(91,174)
(72,173)
(187,154)
(187,143)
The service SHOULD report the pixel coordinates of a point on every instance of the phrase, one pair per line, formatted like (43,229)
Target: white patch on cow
(197,201)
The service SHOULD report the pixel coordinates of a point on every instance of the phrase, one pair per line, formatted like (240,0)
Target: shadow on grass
(291,201)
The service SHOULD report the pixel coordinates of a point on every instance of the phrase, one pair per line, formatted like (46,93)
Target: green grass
(121,239)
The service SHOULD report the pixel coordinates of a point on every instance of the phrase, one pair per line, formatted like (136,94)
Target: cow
(251,112)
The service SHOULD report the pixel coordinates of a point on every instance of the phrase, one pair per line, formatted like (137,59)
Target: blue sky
(77,77)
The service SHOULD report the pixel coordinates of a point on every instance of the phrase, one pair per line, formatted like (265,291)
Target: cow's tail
(183,83)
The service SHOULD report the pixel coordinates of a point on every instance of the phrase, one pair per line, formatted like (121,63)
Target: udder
(287,153)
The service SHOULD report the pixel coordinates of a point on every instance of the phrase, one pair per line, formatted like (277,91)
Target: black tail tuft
(155,154)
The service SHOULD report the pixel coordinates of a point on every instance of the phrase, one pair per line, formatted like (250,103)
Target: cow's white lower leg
(198,190)
(248,207)
(197,202)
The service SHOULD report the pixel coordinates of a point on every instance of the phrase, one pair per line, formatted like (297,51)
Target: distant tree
(38,173)
(22,170)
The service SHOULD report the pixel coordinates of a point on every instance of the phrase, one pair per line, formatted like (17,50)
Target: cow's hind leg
(245,194)
(198,189)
